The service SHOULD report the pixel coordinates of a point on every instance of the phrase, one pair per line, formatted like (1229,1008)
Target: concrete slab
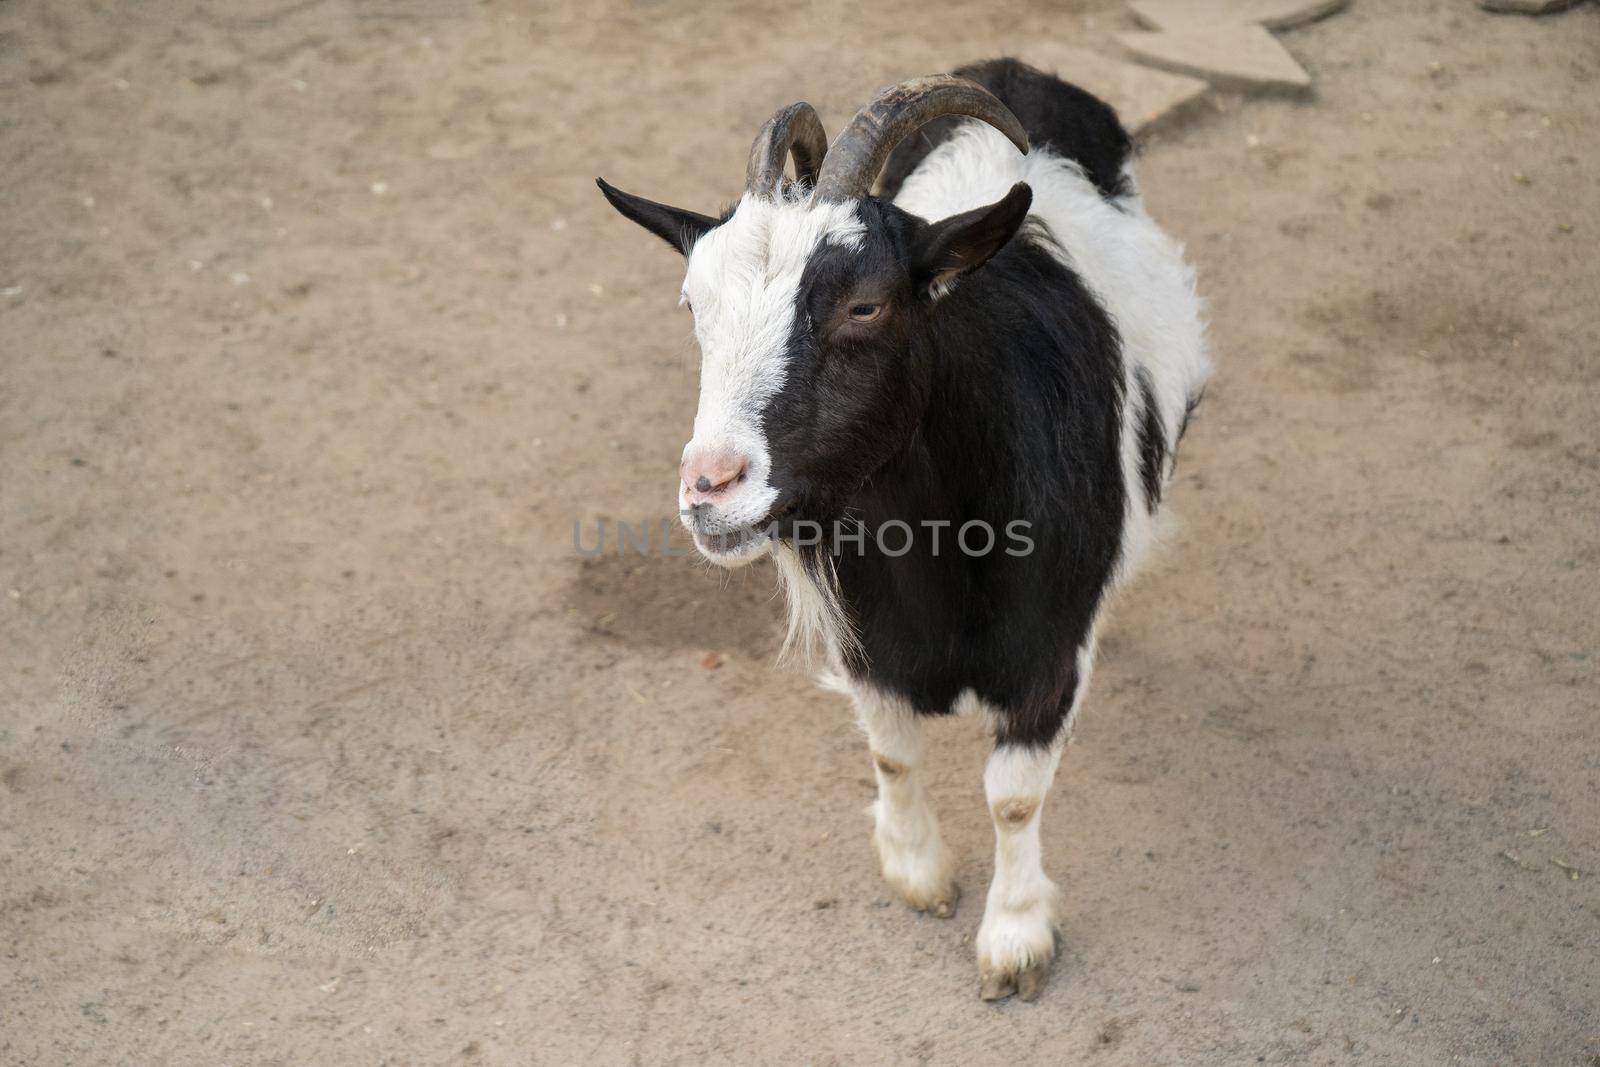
(1273,14)
(1143,96)
(1236,56)
(1527,7)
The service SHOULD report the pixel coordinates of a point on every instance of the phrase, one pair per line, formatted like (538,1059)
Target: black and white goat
(1001,341)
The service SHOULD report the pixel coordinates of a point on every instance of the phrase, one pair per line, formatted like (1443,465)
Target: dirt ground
(319,743)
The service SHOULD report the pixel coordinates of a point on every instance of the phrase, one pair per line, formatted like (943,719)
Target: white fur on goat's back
(1135,270)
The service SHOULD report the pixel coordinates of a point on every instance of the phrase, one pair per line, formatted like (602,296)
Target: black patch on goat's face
(853,393)
(852,396)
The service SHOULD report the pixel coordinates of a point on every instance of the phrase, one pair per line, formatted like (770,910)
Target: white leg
(1017,939)
(910,849)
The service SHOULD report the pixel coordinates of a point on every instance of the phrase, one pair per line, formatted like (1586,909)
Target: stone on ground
(1527,7)
(1143,97)
(1273,14)
(1228,56)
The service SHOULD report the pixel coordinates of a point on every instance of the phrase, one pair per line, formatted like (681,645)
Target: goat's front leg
(911,851)
(1016,941)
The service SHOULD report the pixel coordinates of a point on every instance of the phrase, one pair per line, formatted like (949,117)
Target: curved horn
(794,129)
(858,154)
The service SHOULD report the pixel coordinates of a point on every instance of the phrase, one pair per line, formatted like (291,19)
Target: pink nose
(709,472)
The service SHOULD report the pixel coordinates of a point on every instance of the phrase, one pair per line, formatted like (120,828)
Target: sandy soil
(320,744)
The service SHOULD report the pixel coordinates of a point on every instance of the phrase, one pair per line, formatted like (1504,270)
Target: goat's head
(806,296)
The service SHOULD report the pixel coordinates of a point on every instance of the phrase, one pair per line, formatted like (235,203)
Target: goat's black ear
(951,247)
(675,225)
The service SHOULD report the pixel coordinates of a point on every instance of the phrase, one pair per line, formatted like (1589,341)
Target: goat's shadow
(654,600)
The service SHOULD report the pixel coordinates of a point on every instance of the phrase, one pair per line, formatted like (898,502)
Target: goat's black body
(1022,423)
(1074,124)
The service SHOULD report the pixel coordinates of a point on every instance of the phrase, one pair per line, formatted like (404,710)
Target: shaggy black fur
(1000,403)
(1152,441)
(1021,423)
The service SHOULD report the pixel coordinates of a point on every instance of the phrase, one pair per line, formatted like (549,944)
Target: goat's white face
(743,285)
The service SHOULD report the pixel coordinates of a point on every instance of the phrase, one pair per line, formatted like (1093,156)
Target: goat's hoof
(920,877)
(997,986)
(944,906)
(1031,982)
(939,901)
(1025,984)
(1016,949)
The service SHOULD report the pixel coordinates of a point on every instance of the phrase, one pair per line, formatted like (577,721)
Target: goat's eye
(865,312)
